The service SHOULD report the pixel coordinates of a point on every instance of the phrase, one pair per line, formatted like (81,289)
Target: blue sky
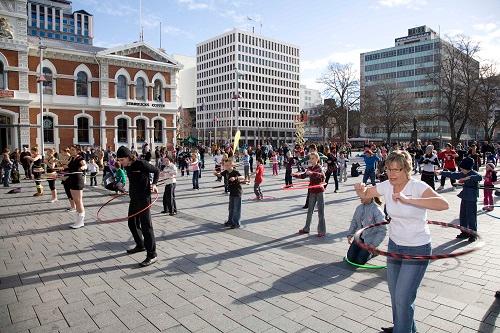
(324,30)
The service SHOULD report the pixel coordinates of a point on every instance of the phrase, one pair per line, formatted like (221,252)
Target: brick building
(93,96)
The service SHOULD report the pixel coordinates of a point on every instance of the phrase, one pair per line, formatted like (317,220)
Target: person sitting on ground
(369,212)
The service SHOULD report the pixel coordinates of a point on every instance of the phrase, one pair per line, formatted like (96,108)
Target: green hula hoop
(366,266)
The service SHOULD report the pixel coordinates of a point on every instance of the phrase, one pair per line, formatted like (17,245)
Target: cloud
(412,4)
(486,27)
(194,4)
(351,56)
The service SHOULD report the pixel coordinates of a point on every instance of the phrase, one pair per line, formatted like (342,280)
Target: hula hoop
(302,187)
(365,266)
(400,256)
(123,218)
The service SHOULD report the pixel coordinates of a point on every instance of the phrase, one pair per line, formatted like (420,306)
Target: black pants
(52,184)
(428,178)
(307,200)
(358,255)
(27,170)
(443,178)
(169,199)
(141,226)
(288,177)
(93,178)
(335,178)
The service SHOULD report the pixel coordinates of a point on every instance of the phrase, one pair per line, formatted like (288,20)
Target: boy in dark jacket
(468,206)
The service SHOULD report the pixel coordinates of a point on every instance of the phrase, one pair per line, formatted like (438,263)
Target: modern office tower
(248,82)
(408,64)
(55,19)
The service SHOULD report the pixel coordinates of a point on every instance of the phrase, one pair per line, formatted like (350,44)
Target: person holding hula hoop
(369,212)
(407,201)
(75,183)
(140,188)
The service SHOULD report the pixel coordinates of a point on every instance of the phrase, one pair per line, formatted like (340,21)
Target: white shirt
(408,225)
(170,172)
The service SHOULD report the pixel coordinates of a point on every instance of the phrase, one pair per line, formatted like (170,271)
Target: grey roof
(60,44)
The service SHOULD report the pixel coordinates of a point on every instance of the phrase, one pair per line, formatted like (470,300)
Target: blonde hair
(315,154)
(402,158)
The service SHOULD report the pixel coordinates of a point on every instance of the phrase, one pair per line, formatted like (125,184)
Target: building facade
(247,82)
(92,96)
(309,98)
(408,64)
(186,117)
(55,19)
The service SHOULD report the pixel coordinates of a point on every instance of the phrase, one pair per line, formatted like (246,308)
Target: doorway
(5,132)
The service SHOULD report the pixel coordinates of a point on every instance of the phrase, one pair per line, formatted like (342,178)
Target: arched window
(48,129)
(82,125)
(47,84)
(140,89)
(2,77)
(158,130)
(121,87)
(82,84)
(157,91)
(122,130)
(140,131)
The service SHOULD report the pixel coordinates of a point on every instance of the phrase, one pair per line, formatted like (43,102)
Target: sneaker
(136,250)
(335,191)
(472,239)
(462,235)
(235,226)
(497,294)
(302,232)
(227,224)
(440,188)
(77,225)
(53,200)
(171,214)
(163,212)
(387,329)
(305,207)
(485,208)
(148,261)
(71,210)
(37,194)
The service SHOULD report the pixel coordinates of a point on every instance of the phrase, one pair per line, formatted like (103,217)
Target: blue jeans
(6,177)
(369,173)
(195,179)
(320,200)
(234,210)
(403,279)
(468,214)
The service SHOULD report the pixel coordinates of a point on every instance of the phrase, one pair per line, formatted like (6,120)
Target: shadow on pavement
(490,317)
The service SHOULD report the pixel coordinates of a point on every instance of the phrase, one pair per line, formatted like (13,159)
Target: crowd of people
(389,170)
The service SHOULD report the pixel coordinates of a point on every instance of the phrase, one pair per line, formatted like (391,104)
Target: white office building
(248,82)
(309,98)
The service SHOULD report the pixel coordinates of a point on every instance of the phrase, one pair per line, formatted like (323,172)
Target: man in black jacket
(140,189)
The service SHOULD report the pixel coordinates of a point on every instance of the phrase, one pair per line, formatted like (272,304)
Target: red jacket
(259,174)
(448,158)
(315,178)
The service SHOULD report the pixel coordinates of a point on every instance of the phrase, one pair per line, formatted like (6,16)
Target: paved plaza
(263,277)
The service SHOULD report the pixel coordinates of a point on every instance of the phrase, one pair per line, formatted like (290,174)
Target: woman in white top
(170,172)
(407,201)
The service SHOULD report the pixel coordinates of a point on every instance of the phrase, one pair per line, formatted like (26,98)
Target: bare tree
(342,85)
(388,106)
(456,75)
(484,115)
(325,118)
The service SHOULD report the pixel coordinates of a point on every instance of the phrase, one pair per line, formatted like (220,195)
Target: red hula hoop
(300,186)
(373,249)
(123,218)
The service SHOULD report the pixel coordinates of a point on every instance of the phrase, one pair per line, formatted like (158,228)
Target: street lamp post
(210,138)
(41,80)
(347,123)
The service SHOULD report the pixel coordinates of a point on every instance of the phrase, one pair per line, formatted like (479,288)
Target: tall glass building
(408,64)
(55,19)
